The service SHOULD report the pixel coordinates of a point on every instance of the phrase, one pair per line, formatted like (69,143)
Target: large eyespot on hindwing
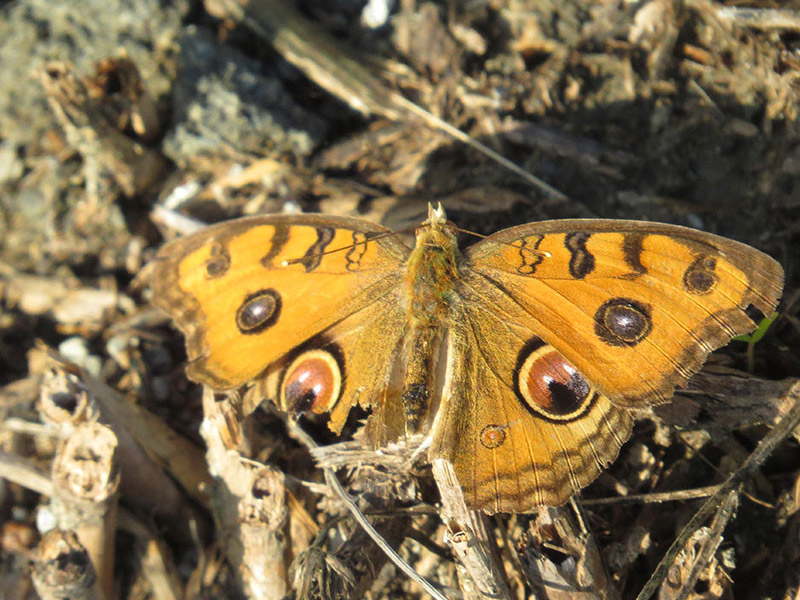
(549,385)
(623,322)
(313,381)
(259,311)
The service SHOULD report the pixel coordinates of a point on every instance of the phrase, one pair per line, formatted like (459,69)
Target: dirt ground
(119,119)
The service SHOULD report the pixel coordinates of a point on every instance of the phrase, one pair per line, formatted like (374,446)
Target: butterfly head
(437,231)
(436,216)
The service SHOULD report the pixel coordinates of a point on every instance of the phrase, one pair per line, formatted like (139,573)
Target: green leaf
(755,336)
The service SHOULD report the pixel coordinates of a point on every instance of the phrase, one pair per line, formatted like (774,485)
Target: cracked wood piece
(86,485)
(250,503)
(152,456)
(481,575)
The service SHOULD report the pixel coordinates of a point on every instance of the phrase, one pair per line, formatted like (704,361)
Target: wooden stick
(152,456)
(481,574)
(250,504)
(86,484)
(263,516)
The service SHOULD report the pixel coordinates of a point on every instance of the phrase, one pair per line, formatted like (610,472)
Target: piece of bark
(729,400)
(263,518)
(481,574)
(85,486)
(62,569)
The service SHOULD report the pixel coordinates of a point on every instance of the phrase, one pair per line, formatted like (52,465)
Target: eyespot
(493,436)
(549,385)
(701,277)
(258,312)
(312,383)
(219,262)
(623,322)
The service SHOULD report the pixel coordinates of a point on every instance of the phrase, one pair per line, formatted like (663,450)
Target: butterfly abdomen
(432,271)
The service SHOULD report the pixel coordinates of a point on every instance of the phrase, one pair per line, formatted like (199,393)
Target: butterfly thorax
(432,270)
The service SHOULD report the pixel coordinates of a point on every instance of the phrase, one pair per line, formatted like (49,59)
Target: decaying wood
(481,575)
(152,456)
(85,486)
(784,428)
(263,517)
(729,400)
(62,569)
(171,452)
(335,69)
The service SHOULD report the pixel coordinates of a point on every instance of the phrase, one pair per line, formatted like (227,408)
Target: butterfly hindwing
(515,441)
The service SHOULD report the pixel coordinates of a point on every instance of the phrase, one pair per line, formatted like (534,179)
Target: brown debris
(62,569)
(84,113)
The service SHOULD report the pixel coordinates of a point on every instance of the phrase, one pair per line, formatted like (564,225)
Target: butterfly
(522,358)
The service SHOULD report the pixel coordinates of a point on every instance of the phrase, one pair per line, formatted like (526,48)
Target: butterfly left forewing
(247,292)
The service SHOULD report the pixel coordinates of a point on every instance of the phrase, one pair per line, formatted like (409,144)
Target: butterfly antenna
(520,247)
(294,261)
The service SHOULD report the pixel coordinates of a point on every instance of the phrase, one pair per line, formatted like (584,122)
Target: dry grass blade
(336,486)
(783,429)
(331,66)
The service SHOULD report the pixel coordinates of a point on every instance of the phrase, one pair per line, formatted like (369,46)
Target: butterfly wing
(637,307)
(264,291)
(513,450)
(558,328)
